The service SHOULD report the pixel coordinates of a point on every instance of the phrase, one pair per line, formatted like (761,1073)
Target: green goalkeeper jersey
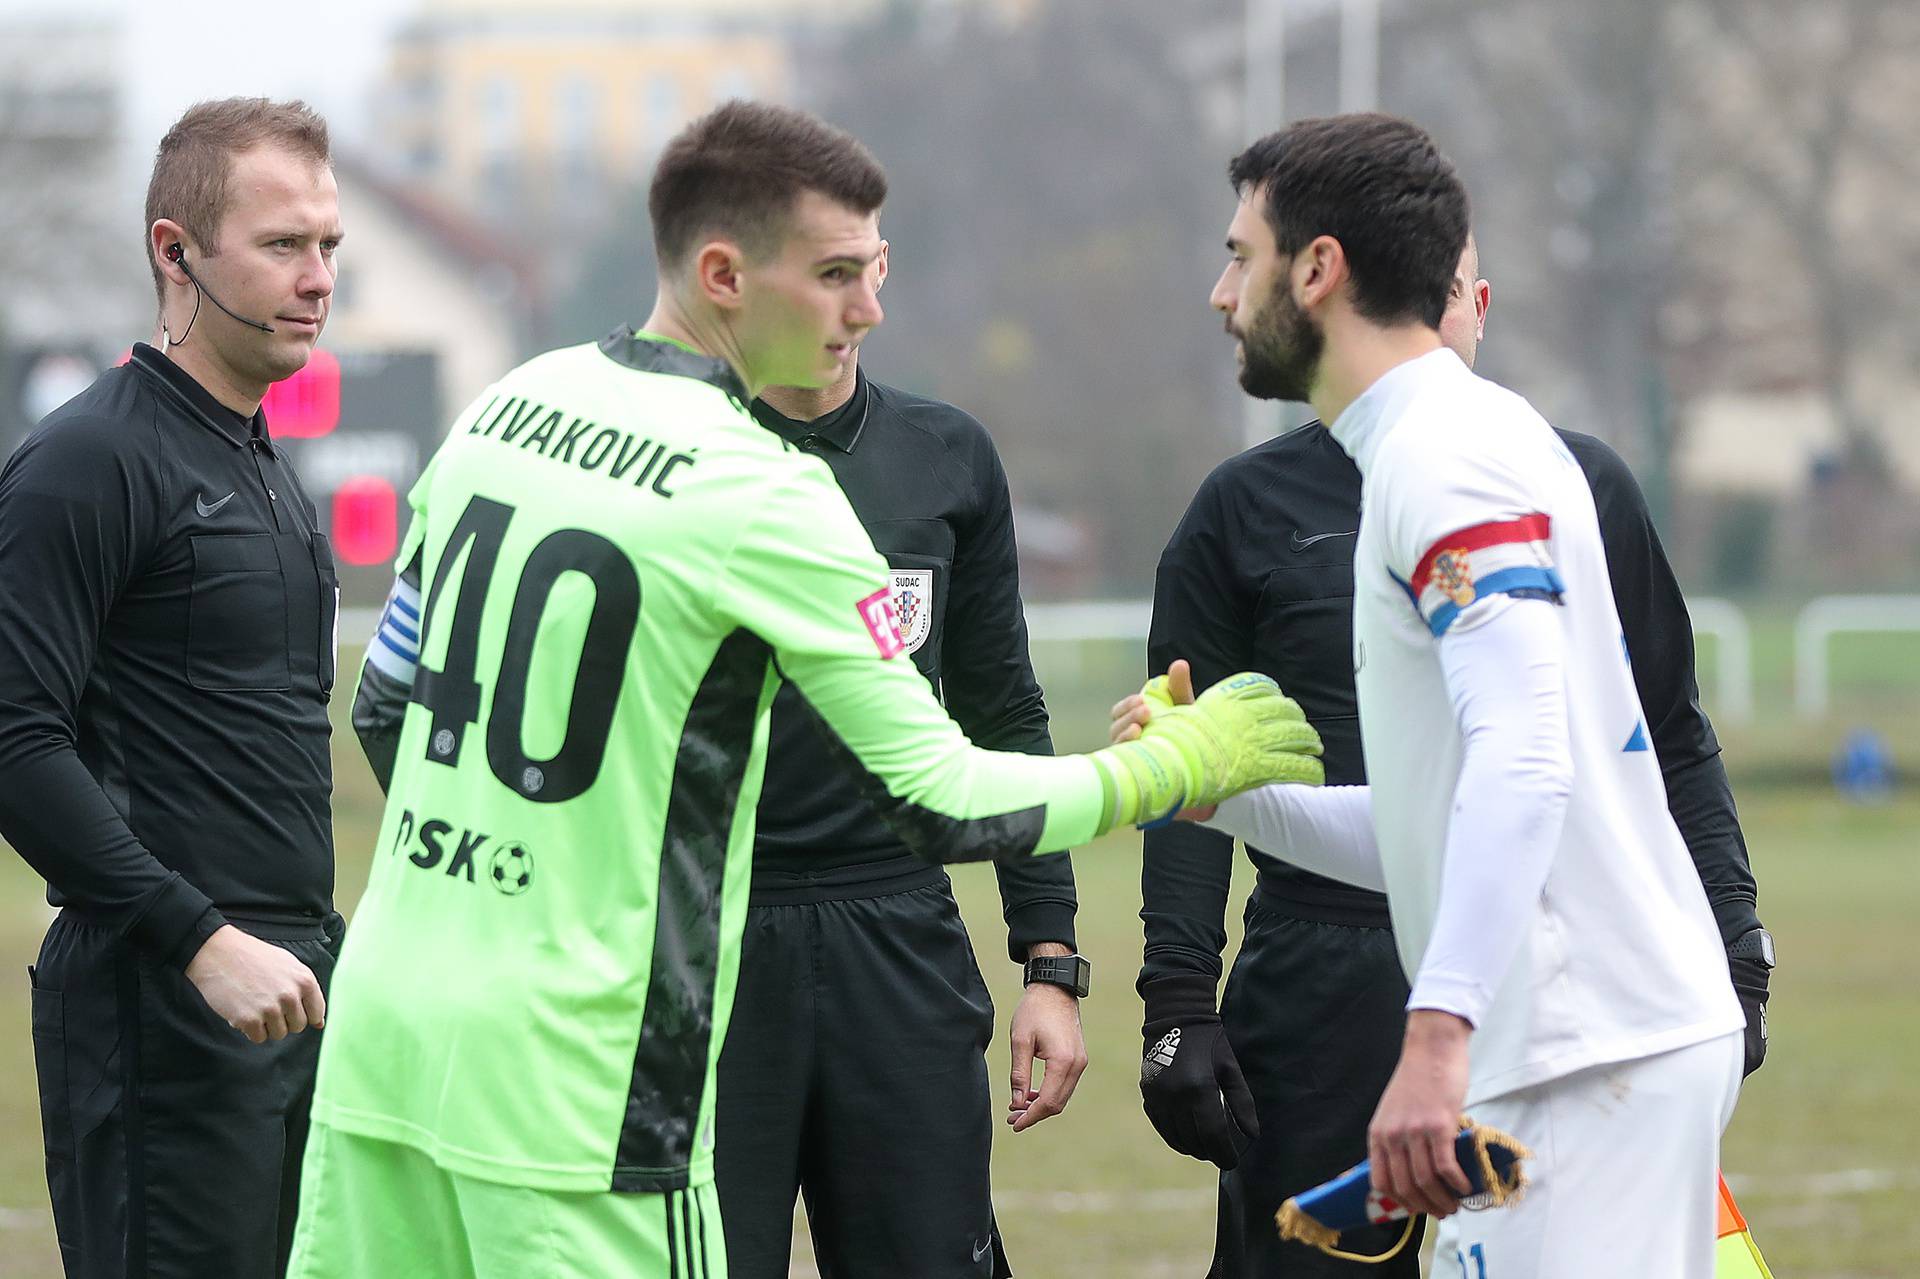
(619,564)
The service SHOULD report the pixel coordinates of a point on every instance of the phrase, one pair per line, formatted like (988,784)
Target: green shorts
(372,1209)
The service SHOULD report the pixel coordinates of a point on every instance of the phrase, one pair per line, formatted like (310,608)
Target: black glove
(1750,984)
(1190,1084)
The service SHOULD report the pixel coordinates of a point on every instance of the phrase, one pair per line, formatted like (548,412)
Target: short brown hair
(738,170)
(190,170)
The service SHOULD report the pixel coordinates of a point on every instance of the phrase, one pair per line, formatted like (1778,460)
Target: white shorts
(1622,1183)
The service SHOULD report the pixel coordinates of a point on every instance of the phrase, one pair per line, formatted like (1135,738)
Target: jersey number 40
(452,693)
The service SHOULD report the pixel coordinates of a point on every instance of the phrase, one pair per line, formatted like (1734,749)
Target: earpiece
(178,256)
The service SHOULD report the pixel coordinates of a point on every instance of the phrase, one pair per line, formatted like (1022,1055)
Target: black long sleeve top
(167,613)
(1259,576)
(927,483)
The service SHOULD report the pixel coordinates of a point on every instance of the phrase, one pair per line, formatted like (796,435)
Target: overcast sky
(176,54)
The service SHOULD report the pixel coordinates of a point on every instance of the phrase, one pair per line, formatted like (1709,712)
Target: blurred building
(71,288)
(69,257)
(528,117)
(1774,442)
(416,274)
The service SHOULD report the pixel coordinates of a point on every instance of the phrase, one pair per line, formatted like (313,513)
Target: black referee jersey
(1282,603)
(167,608)
(926,481)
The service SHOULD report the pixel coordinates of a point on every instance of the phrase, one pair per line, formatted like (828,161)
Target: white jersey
(1468,501)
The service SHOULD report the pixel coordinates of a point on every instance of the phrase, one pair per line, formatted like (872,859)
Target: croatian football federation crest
(1453,574)
(913,605)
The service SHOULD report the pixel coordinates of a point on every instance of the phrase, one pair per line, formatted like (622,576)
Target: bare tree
(1058,198)
(1803,112)
(1555,112)
(1675,199)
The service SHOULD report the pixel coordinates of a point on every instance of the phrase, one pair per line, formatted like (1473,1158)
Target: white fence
(1726,625)
(1127,620)
(1832,615)
(1717,619)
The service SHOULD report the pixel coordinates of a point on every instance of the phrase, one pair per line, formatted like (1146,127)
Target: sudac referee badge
(913,605)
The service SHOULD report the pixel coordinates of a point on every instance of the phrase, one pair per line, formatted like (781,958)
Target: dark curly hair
(1378,185)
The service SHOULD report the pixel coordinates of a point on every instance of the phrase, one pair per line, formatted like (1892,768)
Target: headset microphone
(177,256)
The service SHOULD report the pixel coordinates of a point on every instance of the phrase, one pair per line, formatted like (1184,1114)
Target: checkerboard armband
(1491,1159)
(1505,557)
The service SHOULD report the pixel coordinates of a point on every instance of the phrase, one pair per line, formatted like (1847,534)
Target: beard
(1280,351)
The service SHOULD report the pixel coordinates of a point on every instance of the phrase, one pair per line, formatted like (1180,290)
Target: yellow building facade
(490,102)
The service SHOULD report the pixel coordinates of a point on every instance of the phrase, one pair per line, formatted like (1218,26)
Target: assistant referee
(166,651)
(853,1072)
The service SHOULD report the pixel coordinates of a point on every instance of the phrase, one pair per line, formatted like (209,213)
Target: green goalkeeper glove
(1241,733)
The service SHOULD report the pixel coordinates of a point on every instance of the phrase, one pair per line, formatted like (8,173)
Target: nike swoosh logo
(980,1250)
(209,509)
(1302,543)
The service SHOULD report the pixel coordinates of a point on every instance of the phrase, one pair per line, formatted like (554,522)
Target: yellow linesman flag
(1737,1255)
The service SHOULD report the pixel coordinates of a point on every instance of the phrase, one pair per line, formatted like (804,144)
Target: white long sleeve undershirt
(1325,829)
(1505,669)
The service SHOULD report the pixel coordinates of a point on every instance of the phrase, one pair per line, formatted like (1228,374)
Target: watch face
(1070,971)
(1755,945)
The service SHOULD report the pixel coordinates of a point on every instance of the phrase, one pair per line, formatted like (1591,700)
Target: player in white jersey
(1567,980)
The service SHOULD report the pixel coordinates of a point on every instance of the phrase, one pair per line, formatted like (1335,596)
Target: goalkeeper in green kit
(610,568)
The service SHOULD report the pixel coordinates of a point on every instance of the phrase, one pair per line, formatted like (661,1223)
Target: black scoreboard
(358,423)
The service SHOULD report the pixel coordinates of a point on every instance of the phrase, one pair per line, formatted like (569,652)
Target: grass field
(1824,1152)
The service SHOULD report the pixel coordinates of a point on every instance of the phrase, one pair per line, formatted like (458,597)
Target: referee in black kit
(853,1071)
(166,651)
(1279,1084)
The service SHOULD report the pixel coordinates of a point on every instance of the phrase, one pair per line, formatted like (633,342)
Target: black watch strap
(1755,944)
(1071,971)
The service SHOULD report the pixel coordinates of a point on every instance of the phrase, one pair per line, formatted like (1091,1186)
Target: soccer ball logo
(512,869)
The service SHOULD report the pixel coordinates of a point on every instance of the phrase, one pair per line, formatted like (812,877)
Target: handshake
(1175,754)
(1190,1083)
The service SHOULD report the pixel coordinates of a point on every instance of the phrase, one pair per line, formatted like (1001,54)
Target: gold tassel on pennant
(1297,1227)
(1498,1193)
(1324,1239)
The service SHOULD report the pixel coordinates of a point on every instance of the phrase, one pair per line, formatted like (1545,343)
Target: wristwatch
(1755,944)
(1070,971)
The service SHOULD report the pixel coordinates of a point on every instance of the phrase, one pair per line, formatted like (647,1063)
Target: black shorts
(854,1075)
(173,1145)
(1315,1013)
